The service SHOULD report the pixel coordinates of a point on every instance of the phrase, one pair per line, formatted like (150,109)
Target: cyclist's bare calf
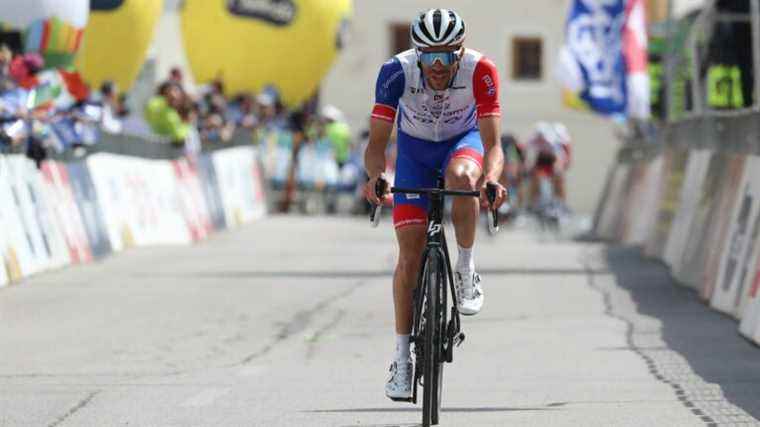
(411,241)
(464,174)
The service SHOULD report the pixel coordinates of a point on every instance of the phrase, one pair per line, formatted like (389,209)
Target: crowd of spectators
(309,148)
(51,109)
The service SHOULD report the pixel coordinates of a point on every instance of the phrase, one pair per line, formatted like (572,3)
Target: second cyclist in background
(548,156)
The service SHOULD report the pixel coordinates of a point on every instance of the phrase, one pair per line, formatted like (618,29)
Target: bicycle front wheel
(434,312)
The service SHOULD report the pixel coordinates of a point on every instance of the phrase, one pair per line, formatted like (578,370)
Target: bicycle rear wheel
(434,329)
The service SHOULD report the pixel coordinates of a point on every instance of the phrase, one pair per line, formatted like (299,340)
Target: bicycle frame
(436,241)
(443,335)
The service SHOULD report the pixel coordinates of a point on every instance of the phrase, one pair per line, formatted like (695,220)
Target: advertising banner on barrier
(211,191)
(66,214)
(159,196)
(694,177)
(17,245)
(694,255)
(9,223)
(642,207)
(750,322)
(669,200)
(609,217)
(106,171)
(240,185)
(89,209)
(192,200)
(742,233)
(724,214)
(47,246)
(139,199)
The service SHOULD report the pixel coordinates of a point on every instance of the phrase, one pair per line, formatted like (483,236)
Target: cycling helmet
(436,28)
(546,131)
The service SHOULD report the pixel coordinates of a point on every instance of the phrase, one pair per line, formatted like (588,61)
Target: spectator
(24,68)
(6,81)
(163,113)
(113,108)
(338,133)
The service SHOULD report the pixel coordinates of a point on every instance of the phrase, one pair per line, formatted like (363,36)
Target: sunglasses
(445,58)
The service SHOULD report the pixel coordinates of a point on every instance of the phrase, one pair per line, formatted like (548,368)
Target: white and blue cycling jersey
(434,127)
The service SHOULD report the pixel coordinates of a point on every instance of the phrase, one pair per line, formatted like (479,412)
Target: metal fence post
(669,60)
(754,10)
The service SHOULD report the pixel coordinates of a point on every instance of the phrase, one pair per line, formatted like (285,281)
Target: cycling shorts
(419,163)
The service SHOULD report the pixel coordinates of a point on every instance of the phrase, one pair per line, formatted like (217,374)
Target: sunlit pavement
(288,322)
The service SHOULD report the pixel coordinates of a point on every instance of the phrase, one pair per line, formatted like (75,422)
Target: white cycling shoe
(399,385)
(469,293)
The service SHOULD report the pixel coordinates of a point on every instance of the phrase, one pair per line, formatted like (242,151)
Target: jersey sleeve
(486,87)
(388,91)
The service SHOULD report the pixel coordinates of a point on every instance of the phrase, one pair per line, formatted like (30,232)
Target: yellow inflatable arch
(116,40)
(250,44)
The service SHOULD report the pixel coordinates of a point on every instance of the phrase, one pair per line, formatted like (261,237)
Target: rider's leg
(463,171)
(463,174)
(533,189)
(411,242)
(559,186)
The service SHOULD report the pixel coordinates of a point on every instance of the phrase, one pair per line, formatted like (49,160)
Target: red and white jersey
(401,94)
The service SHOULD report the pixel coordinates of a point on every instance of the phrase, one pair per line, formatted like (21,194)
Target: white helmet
(546,131)
(437,27)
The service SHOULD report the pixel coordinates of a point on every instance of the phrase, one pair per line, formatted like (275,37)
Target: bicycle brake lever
(380,187)
(493,222)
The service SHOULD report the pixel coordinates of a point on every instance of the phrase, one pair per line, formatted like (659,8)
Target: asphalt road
(288,322)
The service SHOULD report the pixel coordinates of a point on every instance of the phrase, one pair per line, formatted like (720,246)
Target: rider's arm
(374,157)
(486,88)
(388,92)
(493,160)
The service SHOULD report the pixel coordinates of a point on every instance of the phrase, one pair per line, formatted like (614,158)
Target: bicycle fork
(454,334)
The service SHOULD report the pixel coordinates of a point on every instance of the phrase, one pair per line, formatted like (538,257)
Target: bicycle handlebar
(398,190)
(381,186)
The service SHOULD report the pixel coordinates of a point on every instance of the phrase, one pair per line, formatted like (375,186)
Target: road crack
(299,322)
(82,403)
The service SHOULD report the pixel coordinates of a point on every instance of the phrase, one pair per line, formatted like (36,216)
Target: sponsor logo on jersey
(490,85)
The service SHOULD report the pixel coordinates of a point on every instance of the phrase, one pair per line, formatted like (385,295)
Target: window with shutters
(527,58)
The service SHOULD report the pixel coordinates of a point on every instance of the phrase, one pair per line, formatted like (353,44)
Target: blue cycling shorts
(418,164)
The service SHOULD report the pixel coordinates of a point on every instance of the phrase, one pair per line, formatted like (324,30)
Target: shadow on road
(708,365)
(359,274)
(550,407)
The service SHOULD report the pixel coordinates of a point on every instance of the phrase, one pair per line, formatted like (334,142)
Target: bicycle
(433,337)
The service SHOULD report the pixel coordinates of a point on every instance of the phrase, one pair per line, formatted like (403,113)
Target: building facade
(521,37)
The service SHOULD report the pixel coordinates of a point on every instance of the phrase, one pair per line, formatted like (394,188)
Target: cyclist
(444,99)
(545,157)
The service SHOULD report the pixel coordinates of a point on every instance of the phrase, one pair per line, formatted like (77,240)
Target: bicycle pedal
(400,399)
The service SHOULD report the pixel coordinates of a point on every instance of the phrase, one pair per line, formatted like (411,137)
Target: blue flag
(592,67)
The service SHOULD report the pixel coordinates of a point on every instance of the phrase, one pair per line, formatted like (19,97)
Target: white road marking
(205,398)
